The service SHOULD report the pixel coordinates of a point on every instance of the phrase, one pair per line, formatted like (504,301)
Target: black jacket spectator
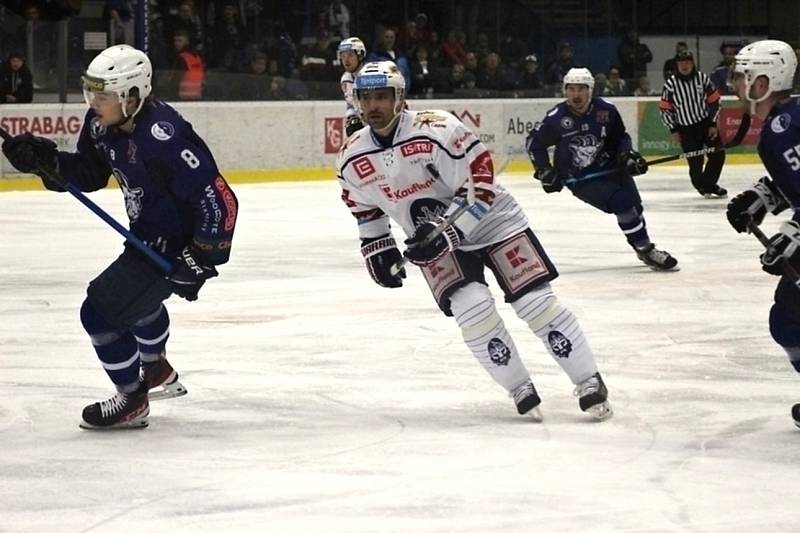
(633,57)
(16,81)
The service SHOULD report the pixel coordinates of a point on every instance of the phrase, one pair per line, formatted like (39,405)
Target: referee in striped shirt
(689,109)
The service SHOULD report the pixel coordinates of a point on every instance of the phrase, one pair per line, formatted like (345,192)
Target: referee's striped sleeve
(666,106)
(712,99)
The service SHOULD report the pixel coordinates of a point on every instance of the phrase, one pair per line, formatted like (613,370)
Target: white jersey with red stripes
(346,83)
(422,175)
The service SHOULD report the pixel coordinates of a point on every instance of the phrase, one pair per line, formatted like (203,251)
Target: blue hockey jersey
(779,149)
(174,193)
(583,143)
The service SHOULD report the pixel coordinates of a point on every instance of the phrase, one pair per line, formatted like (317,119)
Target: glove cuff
(375,246)
(770,196)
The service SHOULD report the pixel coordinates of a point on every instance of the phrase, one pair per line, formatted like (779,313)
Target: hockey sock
(151,334)
(486,335)
(559,330)
(786,332)
(117,349)
(632,224)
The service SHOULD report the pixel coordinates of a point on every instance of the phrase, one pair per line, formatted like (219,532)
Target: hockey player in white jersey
(415,167)
(351,53)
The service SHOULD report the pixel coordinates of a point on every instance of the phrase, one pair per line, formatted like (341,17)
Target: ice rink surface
(319,401)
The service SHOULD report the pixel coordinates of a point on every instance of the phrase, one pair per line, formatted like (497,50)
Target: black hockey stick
(744,127)
(446,223)
(788,269)
(137,243)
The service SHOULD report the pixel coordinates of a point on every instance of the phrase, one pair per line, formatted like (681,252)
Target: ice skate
(162,379)
(796,414)
(655,258)
(121,411)
(593,397)
(527,400)
(716,192)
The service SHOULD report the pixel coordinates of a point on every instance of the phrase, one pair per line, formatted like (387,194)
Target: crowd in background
(240,50)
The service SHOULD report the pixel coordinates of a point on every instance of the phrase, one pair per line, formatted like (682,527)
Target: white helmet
(352,44)
(119,69)
(378,75)
(578,76)
(774,59)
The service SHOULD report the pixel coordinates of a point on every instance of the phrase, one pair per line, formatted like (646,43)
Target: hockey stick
(446,223)
(137,243)
(788,269)
(744,127)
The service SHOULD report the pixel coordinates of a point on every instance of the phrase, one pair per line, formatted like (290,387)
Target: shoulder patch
(567,123)
(162,130)
(781,123)
(96,130)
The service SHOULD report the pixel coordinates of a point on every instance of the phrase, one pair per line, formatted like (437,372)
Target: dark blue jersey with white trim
(779,149)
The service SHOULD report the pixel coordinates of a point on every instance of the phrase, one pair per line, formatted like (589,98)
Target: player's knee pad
(538,307)
(474,310)
(98,328)
(621,201)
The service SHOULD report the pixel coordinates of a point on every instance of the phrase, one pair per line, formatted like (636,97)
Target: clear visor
(95,94)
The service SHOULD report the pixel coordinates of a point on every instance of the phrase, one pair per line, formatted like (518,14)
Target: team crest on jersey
(601,117)
(133,196)
(781,123)
(567,123)
(427,119)
(426,210)
(162,130)
(96,130)
(584,150)
(559,344)
(499,353)
(363,167)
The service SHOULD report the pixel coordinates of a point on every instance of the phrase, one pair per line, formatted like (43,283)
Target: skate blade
(165,392)
(600,411)
(535,414)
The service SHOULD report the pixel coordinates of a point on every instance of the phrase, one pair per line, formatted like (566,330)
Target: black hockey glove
(189,274)
(380,254)
(549,178)
(633,162)
(423,253)
(352,125)
(752,204)
(784,246)
(29,154)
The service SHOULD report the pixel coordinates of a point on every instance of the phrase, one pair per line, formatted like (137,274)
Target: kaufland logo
(416,147)
(515,258)
(363,167)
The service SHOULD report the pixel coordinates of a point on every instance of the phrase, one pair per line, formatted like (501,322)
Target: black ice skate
(593,397)
(796,414)
(162,379)
(527,400)
(121,411)
(716,192)
(655,258)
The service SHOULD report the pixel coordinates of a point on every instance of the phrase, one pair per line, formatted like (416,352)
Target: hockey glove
(633,162)
(752,204)
(29,154)
(784,246)
(352,125)
(422,253)
(379,255)
(549,178)
(189,274)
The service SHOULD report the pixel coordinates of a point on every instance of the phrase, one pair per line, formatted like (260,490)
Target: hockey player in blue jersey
(589,135)
(177,203)
(762,76)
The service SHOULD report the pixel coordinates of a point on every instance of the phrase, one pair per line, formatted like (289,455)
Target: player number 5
(791,156)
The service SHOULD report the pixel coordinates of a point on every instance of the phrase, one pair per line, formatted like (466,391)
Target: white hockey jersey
(399,182)
(346,83)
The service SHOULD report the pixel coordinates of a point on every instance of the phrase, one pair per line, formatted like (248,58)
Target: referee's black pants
(695,137)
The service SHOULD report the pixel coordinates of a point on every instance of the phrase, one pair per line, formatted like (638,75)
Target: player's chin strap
(134,241)
(744,127)
(448,221)
(788,269)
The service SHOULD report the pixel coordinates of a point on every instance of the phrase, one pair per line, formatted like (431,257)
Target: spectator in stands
(187,20)
(512,51)
(482,48)
(187,72)
(256,84)
(615,85)
(338,20)
(119,15)
(564,62)
(452,81)
(228,41)
(719,74)
(494,76)
(670,67)
(281,46)
(423,28)
(453,50)
(600,81)
(634,56)
(16,81)
(408,40)
(385,50)
(643,87)
(471,64)
(434,50)
(44,41)
(317,60)
(422,72)
(470,81)
(530,79)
